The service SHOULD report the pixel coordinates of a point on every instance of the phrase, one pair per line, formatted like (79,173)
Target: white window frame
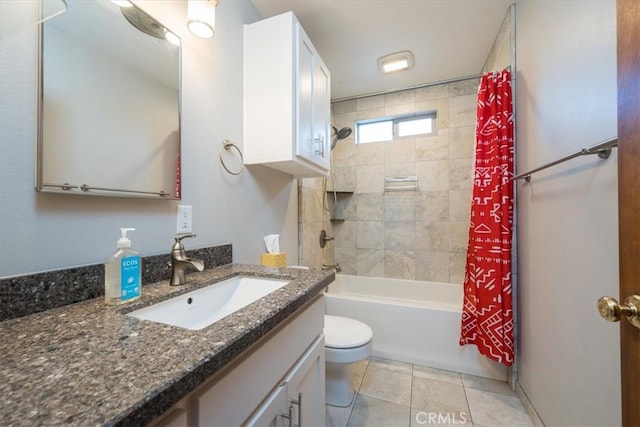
(395,120)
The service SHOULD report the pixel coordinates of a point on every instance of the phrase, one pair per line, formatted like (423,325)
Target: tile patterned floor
(397,394)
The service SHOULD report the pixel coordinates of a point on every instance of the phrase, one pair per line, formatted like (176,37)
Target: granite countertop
(90,364)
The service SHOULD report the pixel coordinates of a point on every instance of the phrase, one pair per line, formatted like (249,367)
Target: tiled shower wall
(402,234)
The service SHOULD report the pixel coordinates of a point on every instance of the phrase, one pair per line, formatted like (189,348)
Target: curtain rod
(603,150)
(418,86)
(383,92)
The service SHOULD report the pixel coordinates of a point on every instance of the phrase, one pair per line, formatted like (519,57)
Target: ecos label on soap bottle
(130,278)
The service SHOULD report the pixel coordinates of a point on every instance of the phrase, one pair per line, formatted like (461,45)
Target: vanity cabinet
(284,369)
(295,398)
(286,99)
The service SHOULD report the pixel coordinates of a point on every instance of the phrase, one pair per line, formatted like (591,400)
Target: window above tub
(387,129)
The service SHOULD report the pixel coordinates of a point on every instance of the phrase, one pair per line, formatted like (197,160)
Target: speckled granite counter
(90,364)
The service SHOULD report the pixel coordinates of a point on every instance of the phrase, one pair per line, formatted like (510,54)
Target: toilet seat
(345,333)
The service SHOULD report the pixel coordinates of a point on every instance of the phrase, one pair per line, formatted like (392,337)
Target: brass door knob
(612,311)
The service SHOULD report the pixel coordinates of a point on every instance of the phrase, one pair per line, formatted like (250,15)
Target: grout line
(411,394)
(464,389)
(353,404)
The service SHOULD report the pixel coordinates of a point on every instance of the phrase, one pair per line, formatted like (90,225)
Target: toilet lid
(342,332)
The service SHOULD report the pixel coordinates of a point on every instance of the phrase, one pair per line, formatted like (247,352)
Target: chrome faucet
(335,267)
(179,261)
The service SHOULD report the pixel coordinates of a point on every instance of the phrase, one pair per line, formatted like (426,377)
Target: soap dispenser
(122,273)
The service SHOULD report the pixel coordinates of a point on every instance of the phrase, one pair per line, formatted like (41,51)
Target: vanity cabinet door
(305,386)
(273,411)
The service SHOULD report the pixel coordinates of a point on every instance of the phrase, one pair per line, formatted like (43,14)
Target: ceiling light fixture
(201,17)
(395,62)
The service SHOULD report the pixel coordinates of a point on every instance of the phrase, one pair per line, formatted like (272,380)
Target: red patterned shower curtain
(487,315)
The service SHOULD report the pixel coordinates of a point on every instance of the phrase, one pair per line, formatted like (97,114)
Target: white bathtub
(412,321)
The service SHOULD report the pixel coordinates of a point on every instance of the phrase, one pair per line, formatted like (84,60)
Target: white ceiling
(449,38)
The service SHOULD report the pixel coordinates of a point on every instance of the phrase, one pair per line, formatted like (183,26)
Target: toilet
(347,341)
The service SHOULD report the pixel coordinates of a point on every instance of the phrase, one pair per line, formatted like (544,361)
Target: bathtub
(412,321)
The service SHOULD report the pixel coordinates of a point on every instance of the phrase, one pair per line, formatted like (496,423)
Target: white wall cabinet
(259,386)
(287,116)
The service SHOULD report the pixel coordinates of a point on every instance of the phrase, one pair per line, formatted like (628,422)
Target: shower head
(339,134)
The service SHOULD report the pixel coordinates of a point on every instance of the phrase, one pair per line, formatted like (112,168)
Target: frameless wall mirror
(109,103)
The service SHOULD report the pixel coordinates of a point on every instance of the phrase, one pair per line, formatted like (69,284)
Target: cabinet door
(270,413)
(305,146)
(321,112)
(305,385)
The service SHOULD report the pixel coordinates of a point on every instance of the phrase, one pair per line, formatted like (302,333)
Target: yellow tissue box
(274,260)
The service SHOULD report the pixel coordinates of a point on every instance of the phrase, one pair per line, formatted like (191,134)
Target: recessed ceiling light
(395,62)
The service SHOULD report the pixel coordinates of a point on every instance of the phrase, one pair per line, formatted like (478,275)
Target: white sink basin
(202,307)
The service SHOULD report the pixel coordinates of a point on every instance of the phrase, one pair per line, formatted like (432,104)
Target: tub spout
(335,267)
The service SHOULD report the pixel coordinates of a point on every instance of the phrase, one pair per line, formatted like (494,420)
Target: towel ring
(226,144)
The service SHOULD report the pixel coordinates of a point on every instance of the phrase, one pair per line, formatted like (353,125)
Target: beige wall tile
(370,235)
(432,92)
(440,106)
(370,262)
(373,113)
(432,236)
(399,209)
(462,110)
(400,151)
(344,234)
(370,102)
(399,170)
(461,142)
(460,173)
(432,206)
(370,178)
(459,205)
(370,206)
(432,266)
(344,178)
(345,153)
(458,237)
(435,147)
(346,257)
(400,98)
(400,235)
(456,267)
(400,264)
(464,87)
(346,119)
(395,110)
(311,202)
(433,175)
(343,107)
(370,154)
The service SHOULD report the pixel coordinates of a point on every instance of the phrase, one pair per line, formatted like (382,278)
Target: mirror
(109,103)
